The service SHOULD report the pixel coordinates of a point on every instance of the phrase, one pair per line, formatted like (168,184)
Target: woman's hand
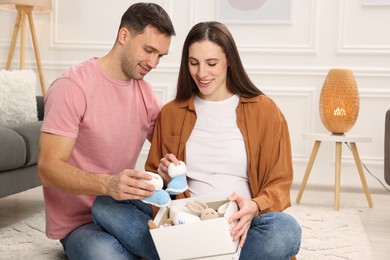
(248,209)
(163,166)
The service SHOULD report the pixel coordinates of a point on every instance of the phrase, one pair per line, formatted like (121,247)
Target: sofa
(19,154)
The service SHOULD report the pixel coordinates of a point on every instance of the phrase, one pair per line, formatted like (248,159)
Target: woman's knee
(277,222)
(293,232)
(273,235)
(287,226)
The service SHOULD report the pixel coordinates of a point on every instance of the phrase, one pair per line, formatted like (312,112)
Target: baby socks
(160,197)
(177,185)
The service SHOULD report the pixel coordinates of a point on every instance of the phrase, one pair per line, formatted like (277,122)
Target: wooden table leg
(20,23)
(308,169)
(36,51)
(22,39)
(361,174)
(337,176)
(13,42)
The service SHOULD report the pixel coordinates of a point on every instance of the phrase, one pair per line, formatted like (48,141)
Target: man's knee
(101,202)
(101,208)
(92,242)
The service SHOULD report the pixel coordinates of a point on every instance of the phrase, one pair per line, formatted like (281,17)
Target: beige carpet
(329,234)
(326,234)
(27,240)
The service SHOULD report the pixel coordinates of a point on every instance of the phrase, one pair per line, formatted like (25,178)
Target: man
(97,116)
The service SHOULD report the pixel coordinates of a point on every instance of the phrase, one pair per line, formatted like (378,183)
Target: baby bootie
(160,197)
(178,184)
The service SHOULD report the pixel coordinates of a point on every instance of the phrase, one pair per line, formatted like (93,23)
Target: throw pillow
(17,97)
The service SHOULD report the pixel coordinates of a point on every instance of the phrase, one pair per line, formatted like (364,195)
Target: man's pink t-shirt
(110,120)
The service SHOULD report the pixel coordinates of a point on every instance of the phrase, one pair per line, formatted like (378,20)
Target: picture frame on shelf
(254,11)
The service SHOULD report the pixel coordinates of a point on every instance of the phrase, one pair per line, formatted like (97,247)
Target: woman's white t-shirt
(215,152)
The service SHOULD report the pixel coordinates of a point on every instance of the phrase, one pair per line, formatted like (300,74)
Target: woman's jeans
(272,235)
(120,231)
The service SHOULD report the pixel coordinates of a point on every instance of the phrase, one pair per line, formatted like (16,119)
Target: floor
(16,207)
(376,220)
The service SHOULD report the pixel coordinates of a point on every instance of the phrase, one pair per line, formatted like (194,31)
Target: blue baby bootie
(160,198)
(177,185)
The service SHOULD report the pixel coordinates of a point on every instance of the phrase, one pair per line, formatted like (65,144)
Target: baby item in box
(208,239)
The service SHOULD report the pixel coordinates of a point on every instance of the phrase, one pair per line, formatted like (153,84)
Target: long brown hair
(238,81)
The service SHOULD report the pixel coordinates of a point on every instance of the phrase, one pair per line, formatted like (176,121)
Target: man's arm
(55,172)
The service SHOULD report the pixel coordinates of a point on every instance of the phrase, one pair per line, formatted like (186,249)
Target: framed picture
(254,11)
(376,2)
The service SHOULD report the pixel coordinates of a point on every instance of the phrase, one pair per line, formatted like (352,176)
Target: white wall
(288,59)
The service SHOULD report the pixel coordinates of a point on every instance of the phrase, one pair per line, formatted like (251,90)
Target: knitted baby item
(178,184)
(182,215)
(160,197)
(202,209)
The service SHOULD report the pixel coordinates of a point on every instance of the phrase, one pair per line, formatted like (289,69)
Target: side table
(338,140)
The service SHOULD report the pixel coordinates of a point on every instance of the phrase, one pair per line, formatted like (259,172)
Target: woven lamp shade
(339,101)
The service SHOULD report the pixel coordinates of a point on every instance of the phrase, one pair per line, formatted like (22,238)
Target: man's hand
(55,172)
(247,211)
(128,185)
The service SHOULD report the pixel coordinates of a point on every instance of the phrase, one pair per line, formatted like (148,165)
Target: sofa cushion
(30,133)
(17,97)
(13,149)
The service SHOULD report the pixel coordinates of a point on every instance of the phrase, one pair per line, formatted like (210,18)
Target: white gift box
(207,239)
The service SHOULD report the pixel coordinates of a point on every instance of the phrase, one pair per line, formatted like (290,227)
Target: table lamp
(339,101)
(25,8)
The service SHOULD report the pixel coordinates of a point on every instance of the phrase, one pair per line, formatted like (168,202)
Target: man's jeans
(121,227)
(120,231)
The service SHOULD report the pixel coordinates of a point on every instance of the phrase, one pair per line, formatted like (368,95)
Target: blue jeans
(273,235)
(91,241)
(119,231)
